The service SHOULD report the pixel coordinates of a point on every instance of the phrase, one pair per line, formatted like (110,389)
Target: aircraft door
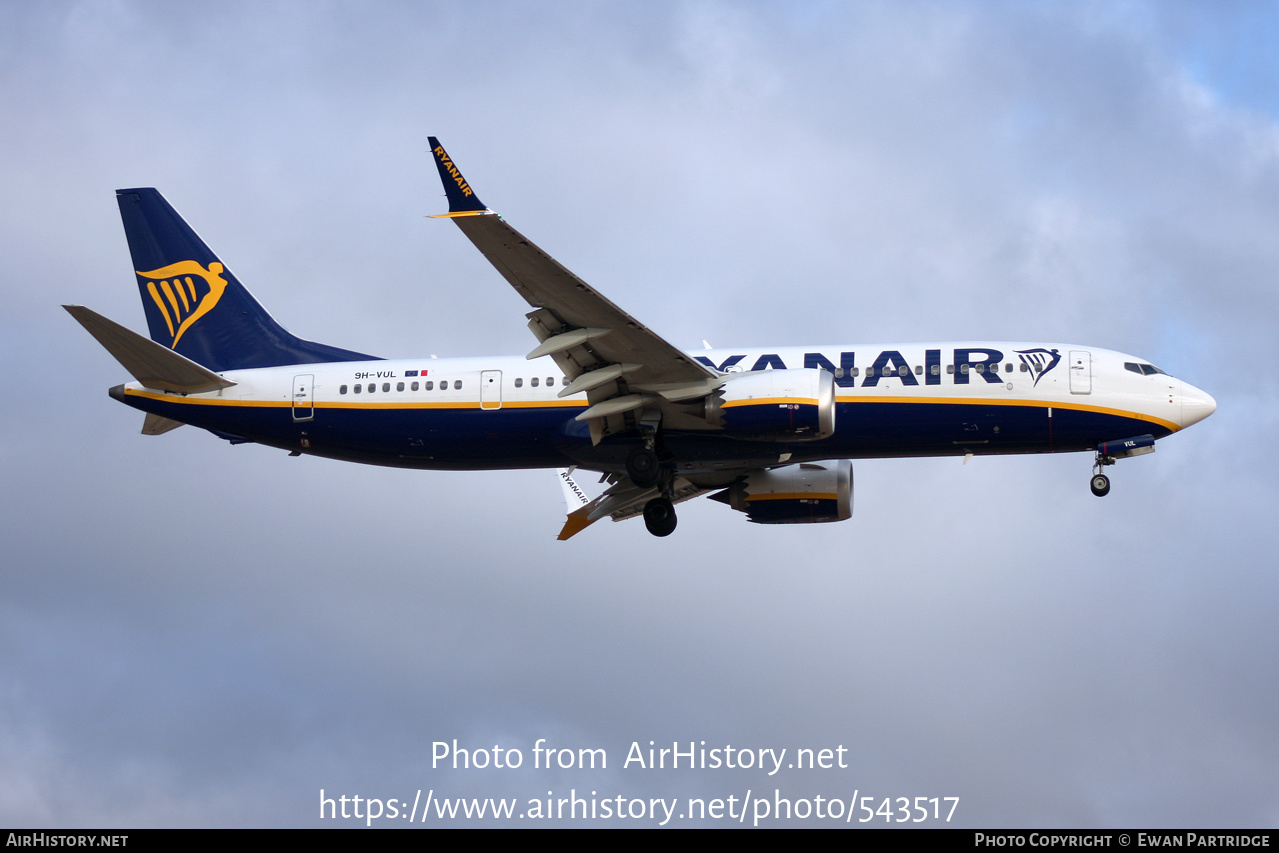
(1080,372)
(303,397)
(491,389)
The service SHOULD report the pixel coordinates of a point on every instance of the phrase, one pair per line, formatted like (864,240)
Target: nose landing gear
(1109,451)
(1100,483)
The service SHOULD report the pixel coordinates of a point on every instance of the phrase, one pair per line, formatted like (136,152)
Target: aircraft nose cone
(1195,405)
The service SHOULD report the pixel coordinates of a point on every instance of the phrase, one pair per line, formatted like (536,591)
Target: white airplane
(769,431)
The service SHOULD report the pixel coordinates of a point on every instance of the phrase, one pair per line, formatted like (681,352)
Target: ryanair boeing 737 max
(769,431)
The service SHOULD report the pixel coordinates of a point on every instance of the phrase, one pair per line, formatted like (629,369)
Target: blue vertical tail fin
(195,305)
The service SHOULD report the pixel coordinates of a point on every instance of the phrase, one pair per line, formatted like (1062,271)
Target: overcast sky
(195,634)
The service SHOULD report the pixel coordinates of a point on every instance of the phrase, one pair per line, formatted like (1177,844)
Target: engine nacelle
(776,405)
(802,494)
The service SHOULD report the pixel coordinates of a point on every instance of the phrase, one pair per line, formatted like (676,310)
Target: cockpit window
(1143,369)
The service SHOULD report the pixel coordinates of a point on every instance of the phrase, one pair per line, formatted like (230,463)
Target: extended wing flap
(154,365)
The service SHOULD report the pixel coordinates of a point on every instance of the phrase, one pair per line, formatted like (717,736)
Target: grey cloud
(196,634)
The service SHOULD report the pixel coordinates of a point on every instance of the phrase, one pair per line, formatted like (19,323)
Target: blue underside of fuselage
(474,439)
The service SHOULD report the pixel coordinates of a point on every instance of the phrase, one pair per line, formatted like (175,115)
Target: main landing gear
(645,470)
(1100,483)
(659,516)
(642,467)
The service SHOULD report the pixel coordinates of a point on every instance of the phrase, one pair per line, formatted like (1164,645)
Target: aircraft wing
(620,501)
(620,364)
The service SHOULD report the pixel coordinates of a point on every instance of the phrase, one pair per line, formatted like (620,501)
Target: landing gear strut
(659,516)
(1100,483)
(644,467)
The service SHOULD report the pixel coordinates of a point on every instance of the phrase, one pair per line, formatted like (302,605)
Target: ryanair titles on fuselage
(985,362)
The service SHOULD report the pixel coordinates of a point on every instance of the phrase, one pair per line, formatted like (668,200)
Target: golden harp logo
(184,292)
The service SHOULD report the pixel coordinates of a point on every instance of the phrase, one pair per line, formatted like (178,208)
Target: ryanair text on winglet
(447,162)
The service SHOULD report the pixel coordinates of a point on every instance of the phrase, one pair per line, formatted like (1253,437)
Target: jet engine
(802,494)
(776,405)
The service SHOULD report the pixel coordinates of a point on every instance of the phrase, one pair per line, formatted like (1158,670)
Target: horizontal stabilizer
(157,425)
(154,365)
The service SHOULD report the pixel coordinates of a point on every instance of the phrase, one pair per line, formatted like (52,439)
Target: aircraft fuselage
(891,400)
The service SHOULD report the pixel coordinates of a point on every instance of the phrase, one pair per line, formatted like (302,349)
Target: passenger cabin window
(342,390)
(413,387)
(399,386)
(919,370)
(550,381)
(533,382)
(935,370)
(429,385)
(519,382)
(950,368)
(457,384)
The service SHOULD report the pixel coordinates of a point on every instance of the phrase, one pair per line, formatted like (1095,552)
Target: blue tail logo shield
(181,282)
(181,300)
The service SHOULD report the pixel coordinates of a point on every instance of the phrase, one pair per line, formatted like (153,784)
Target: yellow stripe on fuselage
(322,404)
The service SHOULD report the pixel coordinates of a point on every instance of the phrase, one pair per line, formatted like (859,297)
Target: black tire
(642,467)
(1100,485)
(659,517)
